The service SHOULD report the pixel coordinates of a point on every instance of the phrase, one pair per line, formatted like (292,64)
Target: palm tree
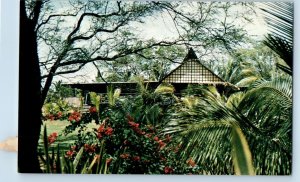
(264,115)
(263,112)
(269,107)
(279,17)
(248,65)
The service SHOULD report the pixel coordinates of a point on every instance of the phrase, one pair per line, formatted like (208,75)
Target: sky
(160,27)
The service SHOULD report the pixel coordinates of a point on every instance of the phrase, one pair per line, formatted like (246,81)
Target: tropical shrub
(56,110)
(127,146)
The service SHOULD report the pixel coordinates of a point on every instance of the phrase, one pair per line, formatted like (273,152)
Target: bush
(129,146)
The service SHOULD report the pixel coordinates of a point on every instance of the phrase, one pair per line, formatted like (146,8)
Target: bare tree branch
(70,71)
(99,72)
(69,38)
(53,16)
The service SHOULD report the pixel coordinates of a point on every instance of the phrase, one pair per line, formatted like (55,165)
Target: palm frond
(204,130)
(281,47)
(284,68)
(165,89)
(241,154)
(279,17)
(247,81)
(269,106)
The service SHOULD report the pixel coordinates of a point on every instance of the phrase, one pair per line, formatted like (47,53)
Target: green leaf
(77,159)
(64,166)
(241,155)
(58,163)
(46,150)
(92,165)
(84,170)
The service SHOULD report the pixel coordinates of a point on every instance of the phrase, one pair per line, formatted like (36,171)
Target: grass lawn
(58,127)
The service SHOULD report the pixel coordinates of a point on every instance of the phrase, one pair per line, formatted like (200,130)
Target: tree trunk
(29,96)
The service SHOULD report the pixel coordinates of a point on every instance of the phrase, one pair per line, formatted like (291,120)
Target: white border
(9,38)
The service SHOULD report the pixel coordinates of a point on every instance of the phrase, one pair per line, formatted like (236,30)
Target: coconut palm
(263,114)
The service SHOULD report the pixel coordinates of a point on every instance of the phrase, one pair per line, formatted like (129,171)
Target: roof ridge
(191,56)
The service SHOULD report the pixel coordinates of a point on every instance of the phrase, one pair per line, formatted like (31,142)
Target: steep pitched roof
(192,71)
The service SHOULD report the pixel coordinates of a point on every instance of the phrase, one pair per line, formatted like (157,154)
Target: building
(190,71)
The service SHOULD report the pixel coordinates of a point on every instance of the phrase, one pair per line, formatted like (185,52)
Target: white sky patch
(159,27)
(86,75)
(259,26)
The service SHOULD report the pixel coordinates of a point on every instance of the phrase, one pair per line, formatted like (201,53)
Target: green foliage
(59,92)
(241,155)
(56,110)
(165,88)
(95,100)
(128,140)
(129,148)
(263,113)
(55,162)
(269,106)
(112,95)
(248,65)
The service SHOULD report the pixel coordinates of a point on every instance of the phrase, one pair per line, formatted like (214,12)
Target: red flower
(93,109)
(136,158)
(70,118)
(59,115)
(109,131)
(51,117)
(168,170)
(52,138)
(155,138)
(135,127)
(101,128)
(70,154)
(139,131)
(124,156)
(75,116)
(161,144)
(99,135)
(133,124)
(191,162)
(89,148)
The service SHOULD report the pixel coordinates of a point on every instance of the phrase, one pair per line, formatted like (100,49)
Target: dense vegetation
(205,130)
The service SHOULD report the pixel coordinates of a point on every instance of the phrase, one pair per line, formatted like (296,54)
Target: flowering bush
(128,146)
(74,117)
(129,139)
(93,109)
(56,110)
(52,138)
